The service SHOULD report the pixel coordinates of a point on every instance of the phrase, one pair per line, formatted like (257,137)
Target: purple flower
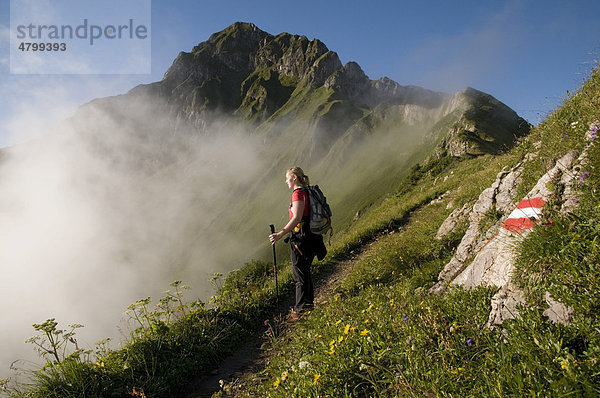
(405,318)
(266,322)
(575,200)
(269,330)
(469,341)
(594,128)
(584,175)
(564,135)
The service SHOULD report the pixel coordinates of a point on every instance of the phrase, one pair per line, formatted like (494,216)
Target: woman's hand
(275,237)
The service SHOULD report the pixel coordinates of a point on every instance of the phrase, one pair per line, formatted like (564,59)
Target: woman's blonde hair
(303,178)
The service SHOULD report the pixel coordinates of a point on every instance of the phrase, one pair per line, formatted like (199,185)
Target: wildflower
(574,124)
(584,175)
(303,364)
(575,200)
(284,375)
(332,351)
(338,322)
(269,330)
(565,135)
(346,329)
(469,341)
(340,339)
(366,321)
(317,377)
(364,332)
(332,342)
(405,318)
(277,382)
(266,322)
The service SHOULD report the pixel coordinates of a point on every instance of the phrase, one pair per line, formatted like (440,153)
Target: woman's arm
(297,211)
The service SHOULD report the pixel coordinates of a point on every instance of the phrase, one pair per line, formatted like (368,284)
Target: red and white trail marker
(525,216)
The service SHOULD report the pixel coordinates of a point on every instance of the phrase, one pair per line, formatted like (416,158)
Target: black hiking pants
(302,258)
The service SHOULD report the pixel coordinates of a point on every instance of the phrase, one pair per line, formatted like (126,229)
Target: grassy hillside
(381,333)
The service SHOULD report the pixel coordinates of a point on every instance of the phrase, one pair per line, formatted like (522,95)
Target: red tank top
(300,195)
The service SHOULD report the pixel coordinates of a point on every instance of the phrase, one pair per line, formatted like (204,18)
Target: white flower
(303,364)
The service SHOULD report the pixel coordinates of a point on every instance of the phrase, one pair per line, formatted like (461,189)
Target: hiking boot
(293,316)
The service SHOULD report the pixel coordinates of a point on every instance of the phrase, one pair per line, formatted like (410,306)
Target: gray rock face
(350,80)
(557,312)
(473,240)
(455,218)
(487,257)
(505,304)
(323,67)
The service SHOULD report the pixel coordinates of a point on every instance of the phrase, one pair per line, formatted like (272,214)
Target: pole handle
(272,228)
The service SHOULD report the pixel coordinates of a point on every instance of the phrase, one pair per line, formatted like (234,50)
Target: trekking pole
(275,266)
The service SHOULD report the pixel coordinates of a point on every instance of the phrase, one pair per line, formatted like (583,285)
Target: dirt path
(249,360)
(252,358)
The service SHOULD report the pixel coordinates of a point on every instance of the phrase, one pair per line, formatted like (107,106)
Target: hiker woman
(302,252)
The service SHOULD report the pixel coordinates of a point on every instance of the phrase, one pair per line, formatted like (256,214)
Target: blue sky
(525,53)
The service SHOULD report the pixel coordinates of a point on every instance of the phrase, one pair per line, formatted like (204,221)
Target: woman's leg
(303,278)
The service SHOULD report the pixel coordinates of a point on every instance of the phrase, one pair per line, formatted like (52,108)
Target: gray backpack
(320,212)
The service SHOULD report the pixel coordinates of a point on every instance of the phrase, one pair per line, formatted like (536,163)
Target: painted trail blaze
(525,216)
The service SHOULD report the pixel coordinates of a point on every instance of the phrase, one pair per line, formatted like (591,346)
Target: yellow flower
(338,322)
(277,382)
(317,377)
(340,339)
(366,321)
(346,329)
(284,376)
(332,342)
(332,351)
(364,332)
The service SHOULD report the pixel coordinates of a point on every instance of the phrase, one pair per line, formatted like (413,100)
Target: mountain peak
(239,36)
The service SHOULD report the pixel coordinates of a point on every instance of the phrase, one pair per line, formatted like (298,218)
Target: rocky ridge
(485,256)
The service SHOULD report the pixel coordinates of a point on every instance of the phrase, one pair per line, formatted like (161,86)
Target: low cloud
(99,213)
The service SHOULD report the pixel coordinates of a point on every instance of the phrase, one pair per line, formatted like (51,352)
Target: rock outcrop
(492,200)
(485,256)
